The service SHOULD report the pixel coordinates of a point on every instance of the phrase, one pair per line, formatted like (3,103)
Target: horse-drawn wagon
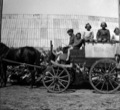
(96,60)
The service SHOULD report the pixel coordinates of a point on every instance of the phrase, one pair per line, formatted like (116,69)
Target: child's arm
(60,52)
(92,35)
(84,35)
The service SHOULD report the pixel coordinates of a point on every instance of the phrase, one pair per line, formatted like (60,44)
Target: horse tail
(3,52)
(3,49)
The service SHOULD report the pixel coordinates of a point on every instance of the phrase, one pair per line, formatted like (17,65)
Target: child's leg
(68,54)
(58,59)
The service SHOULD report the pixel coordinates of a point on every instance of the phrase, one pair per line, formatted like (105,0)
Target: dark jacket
(103,35)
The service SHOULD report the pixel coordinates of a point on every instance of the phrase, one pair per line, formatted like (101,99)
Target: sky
(105,8)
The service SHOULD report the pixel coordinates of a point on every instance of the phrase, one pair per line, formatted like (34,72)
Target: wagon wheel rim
(56,79)
(103,76)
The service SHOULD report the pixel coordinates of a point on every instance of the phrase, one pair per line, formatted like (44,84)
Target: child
(116,35)
(88,35)
(78,42)
(70,32)
(103,35)
(57,53)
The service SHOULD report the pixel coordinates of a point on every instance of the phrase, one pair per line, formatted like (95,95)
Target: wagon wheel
(104,76)
(56,79)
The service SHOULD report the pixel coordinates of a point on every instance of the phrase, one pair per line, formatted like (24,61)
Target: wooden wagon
(96,60)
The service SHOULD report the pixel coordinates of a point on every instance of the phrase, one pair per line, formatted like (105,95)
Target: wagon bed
(93,52)
(104,76)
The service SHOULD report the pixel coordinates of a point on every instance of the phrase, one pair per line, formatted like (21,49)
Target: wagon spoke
(113,74)
(98,83)
(63,76)
(48,80)
(103,85)
(53,70)
(112,69)
(115,82)
(50,74)
(63,80)
(102,72)
(57,71)
(107,86)
(61,84)
(61,73)
(109,67)
(111,84)
(51,84)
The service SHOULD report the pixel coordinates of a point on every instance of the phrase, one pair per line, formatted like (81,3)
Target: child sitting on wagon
(57,53)
(88,34)
(116,35)
(78,44)
(103,34)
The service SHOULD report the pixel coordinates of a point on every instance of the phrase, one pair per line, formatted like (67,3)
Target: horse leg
(1,73)
(4,74)
(32,77)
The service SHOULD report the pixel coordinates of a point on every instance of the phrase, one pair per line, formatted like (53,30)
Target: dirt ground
(23,98)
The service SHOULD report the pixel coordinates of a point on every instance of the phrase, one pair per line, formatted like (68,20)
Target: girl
(88,35)
(116,35)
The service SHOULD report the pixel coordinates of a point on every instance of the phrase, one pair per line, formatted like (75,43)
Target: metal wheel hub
(55,78)
(107,77)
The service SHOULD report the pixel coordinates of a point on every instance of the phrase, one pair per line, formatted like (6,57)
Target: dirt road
(24,98)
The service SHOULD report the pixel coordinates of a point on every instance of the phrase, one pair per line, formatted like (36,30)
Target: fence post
(51,46)
(1,8)
(119,15)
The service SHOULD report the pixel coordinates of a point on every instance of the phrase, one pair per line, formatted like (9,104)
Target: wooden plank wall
(37,29)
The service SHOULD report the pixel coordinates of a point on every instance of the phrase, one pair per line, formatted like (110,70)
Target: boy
(72,36)
(70,32)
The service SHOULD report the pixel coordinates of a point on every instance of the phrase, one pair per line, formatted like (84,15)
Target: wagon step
(62,65)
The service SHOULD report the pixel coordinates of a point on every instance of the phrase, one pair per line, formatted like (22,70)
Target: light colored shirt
(88,35)
(115,37)
(118,49)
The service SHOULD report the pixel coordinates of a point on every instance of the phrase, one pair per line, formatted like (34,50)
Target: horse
(27,54)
